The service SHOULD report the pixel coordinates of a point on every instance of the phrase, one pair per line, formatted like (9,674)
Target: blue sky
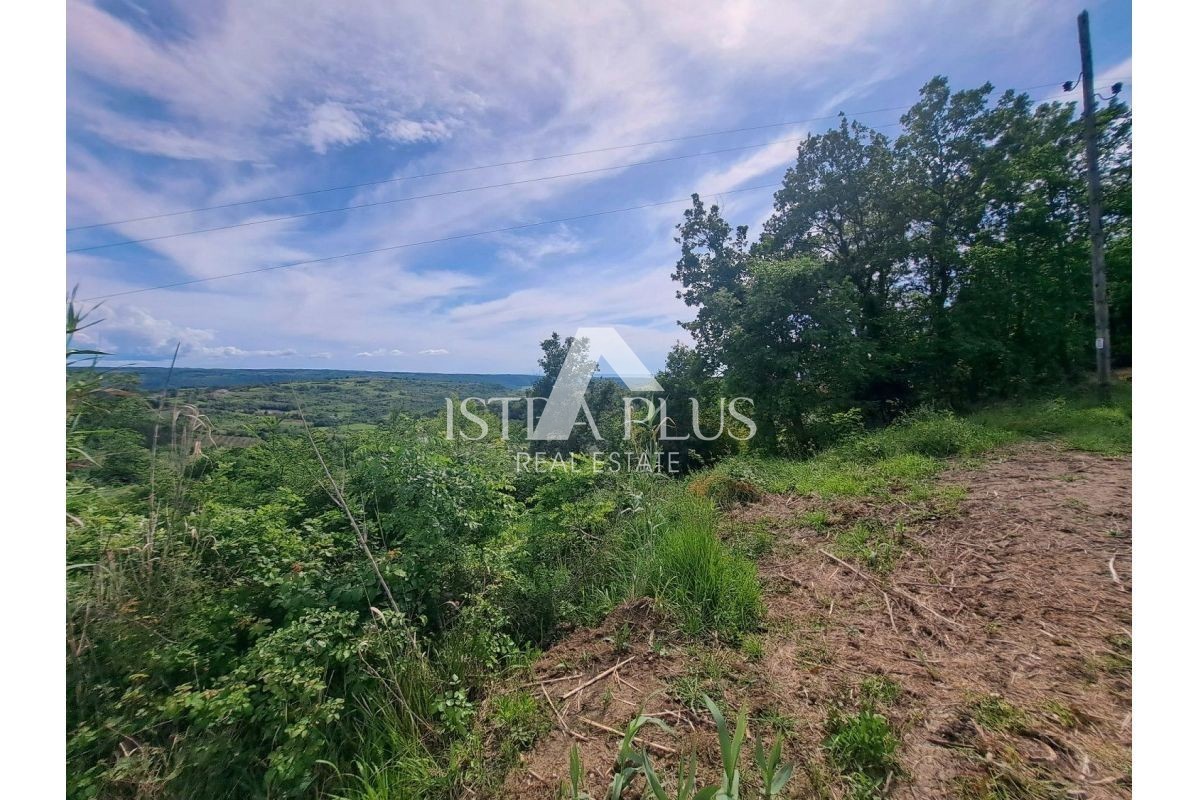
(182,105)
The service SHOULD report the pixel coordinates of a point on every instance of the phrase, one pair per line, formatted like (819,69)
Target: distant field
(153,378)
(243,402)
(330,403)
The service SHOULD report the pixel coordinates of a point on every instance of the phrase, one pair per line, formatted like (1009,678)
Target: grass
(752,539)
(872,544)
(1079,420)
(906,455)
(878,690)
(708,587)
(708,671)
(862,748)
(814,519)
(520,719)
(1061,713)
(996,714)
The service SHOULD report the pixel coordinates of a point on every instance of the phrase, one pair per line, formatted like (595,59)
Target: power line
(516,162)
(447,193)
(388,248)
(479,167)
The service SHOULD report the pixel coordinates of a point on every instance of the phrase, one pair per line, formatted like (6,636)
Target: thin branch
(339,499)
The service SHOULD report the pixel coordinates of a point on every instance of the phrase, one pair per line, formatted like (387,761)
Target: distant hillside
(153,378)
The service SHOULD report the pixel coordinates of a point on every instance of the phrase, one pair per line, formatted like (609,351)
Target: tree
(947,266)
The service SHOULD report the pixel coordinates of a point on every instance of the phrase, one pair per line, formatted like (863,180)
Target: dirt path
(1005,625)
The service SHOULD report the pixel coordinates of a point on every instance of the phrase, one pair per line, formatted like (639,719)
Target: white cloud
(379,352)
(530,249)
(332,124)
(133,331)
(436,351)
(243,97)
(410,131)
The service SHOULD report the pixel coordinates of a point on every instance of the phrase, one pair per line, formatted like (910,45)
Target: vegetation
(863,749)
(337,606)
(631,764)
(947,266)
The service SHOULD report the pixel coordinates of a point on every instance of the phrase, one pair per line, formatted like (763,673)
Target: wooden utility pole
(1099,281)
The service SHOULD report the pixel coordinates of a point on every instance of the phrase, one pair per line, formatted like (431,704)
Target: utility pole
(1099,281)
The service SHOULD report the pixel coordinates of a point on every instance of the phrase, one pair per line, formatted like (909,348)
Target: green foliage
(731,749)
(520,718)
(630,764)
(994,713)
(926,433)
(708,587)
(775,774)
(872,544)
(1080,420)
(949,265)
(878,690)
(862,747)
(228,629)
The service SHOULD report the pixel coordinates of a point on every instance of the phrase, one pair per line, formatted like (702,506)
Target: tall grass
(907,454)
(708,587)
(1080,420)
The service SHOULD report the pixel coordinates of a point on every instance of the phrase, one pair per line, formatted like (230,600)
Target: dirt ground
(1006,625)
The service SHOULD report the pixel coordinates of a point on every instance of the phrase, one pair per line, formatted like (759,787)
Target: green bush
(937,434)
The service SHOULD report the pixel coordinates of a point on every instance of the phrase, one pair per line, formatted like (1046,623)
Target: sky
(174,106)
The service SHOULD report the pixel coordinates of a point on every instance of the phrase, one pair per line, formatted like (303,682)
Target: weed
(1008,779)
(631,763)
(878,690)
(776,721)
(709,588)
(996,714)
(1119,660)
(454,709)
(863,749)
(814,519)
(751,539)
(810,654)
(689,690)
(752,648)
(1061,713)
(775,774)
(519,720)
(1079,421)
(872,544)
(620,638)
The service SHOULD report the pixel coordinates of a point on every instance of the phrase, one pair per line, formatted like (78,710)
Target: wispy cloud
(207,106)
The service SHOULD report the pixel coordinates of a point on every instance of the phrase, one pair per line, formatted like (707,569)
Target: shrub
(936,434)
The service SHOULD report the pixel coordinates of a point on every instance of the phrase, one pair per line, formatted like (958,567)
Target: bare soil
(1017,596)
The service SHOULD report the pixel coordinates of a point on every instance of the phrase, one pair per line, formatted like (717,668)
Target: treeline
(948,265)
